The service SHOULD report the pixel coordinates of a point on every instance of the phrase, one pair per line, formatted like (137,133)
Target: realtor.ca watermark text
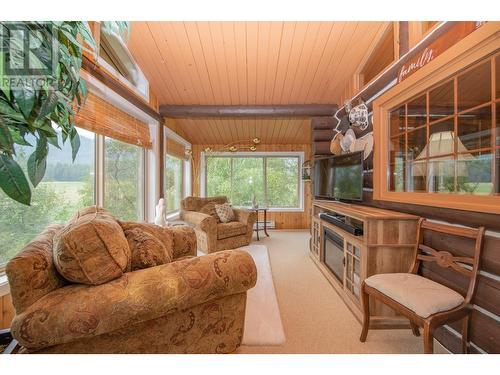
(28,58)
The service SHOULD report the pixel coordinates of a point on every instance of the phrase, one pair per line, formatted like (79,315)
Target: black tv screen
(323,177)
(339,177)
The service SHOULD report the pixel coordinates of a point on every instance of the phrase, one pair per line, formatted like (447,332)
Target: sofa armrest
(244,216)
(81,311)
(201,221)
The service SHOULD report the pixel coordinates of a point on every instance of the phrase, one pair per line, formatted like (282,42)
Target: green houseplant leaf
(6,141)
(25,110)
(12,180)
(37,162)
(25,99)
(75,142)
(36,168)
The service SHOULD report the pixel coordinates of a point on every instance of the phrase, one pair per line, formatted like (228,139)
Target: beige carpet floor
(314,317)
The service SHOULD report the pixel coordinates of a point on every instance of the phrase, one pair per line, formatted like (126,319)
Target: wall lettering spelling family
(407,69)
(449,38)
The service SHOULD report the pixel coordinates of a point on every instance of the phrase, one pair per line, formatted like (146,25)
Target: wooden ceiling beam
(292,110)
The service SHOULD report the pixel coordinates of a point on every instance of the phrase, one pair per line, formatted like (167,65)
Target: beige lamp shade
(441,143)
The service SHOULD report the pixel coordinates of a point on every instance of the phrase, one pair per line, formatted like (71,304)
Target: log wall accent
(235,111)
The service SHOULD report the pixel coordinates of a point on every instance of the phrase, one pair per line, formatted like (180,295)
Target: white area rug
(262,319)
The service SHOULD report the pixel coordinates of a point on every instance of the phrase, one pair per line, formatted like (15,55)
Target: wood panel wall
(485,327)
(6,311)
(284,220)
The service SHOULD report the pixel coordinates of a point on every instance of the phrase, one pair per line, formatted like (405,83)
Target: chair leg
(428,339)
(465,334)
(414,329)
(365,301)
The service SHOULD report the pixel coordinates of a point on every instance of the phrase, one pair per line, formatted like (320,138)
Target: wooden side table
(257,228)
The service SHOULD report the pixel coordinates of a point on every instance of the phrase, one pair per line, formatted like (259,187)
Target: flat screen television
(339,177)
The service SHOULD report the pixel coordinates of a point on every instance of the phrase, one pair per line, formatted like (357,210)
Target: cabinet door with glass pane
(352,271)
(316,237)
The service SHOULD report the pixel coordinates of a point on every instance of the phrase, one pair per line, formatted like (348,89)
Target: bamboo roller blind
(100,117)
(176,149)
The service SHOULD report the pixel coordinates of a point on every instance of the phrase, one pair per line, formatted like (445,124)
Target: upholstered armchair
(187,305)
(213,235)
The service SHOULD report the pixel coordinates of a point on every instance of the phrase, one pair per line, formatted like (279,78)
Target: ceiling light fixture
(236,146)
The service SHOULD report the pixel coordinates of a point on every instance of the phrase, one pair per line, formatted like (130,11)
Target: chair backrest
(467,266)
(196,203)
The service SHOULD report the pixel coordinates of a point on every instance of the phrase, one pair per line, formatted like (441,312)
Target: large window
(282,177)
(66,187)
(272,180)
(174,186)
(109,170)
(123,179)
(444,140)
(438,131)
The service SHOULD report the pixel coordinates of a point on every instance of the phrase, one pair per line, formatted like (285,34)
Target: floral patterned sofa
(212,235)
(151,296)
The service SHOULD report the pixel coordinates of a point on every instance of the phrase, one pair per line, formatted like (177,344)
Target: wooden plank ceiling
(226,130)
(245,63)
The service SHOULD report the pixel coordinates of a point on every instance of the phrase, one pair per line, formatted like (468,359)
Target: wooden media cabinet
(386,245)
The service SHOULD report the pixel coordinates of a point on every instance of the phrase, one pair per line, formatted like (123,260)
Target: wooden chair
(424,302)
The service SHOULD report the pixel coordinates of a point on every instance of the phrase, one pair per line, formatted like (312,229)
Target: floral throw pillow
(225,212)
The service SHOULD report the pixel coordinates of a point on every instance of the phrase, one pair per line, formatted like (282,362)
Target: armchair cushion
(209,209)
(179,241)
(164,235)
(231,229)
(81,311)
(92,249)
(423,296)
(90,210)
(145,250)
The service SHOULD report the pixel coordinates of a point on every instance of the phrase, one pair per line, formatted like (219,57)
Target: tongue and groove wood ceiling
(245,63)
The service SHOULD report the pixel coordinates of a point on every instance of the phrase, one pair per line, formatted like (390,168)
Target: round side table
(257,228)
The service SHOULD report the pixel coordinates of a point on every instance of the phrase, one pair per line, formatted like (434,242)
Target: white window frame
(186,172)
(143,179)
(142,89)
(264,154)
(171,213)
(151,172)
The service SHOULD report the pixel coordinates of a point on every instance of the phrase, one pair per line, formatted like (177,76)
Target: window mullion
(232,184)
(99,171)
(264,171)
(144,187)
